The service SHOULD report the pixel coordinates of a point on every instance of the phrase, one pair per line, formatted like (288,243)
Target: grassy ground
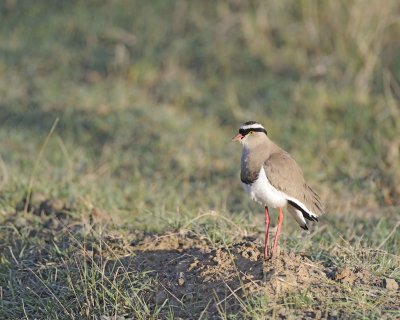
(147,97)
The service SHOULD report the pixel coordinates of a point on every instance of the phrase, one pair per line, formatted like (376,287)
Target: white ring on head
(252,126)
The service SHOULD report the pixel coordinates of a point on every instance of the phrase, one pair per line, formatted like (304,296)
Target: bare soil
(198,279)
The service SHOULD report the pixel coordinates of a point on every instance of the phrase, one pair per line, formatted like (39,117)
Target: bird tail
(298,216)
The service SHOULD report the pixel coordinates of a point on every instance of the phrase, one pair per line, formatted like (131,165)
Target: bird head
(250,132)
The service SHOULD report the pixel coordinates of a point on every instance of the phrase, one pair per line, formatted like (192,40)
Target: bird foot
(272,255)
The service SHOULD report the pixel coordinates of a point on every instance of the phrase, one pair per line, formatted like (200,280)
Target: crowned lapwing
(273,179)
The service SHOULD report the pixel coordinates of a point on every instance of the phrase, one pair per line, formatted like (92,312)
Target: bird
(272,178)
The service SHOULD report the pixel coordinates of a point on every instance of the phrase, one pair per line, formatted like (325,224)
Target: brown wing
(286,176)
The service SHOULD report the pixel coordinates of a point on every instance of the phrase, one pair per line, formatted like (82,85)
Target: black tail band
(306,215)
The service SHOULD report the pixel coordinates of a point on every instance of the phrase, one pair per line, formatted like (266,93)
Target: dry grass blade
(36,164)
(389,235)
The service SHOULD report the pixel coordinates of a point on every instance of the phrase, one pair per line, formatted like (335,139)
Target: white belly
(263,192)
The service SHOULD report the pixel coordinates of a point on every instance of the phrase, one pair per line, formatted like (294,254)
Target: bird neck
(253,157)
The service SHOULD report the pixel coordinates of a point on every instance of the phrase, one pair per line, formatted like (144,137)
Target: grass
(148,96)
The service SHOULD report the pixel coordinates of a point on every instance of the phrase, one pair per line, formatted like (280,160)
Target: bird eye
(251,132)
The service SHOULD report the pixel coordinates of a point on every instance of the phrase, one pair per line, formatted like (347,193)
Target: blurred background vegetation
(149,94)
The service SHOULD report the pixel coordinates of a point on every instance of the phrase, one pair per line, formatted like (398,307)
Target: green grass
(148,96)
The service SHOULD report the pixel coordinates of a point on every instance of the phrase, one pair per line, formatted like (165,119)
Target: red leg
(278,230)
(266,233)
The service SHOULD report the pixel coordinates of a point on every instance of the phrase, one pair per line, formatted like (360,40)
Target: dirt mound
(193,273)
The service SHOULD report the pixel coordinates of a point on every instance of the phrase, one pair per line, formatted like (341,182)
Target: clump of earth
(191,272)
